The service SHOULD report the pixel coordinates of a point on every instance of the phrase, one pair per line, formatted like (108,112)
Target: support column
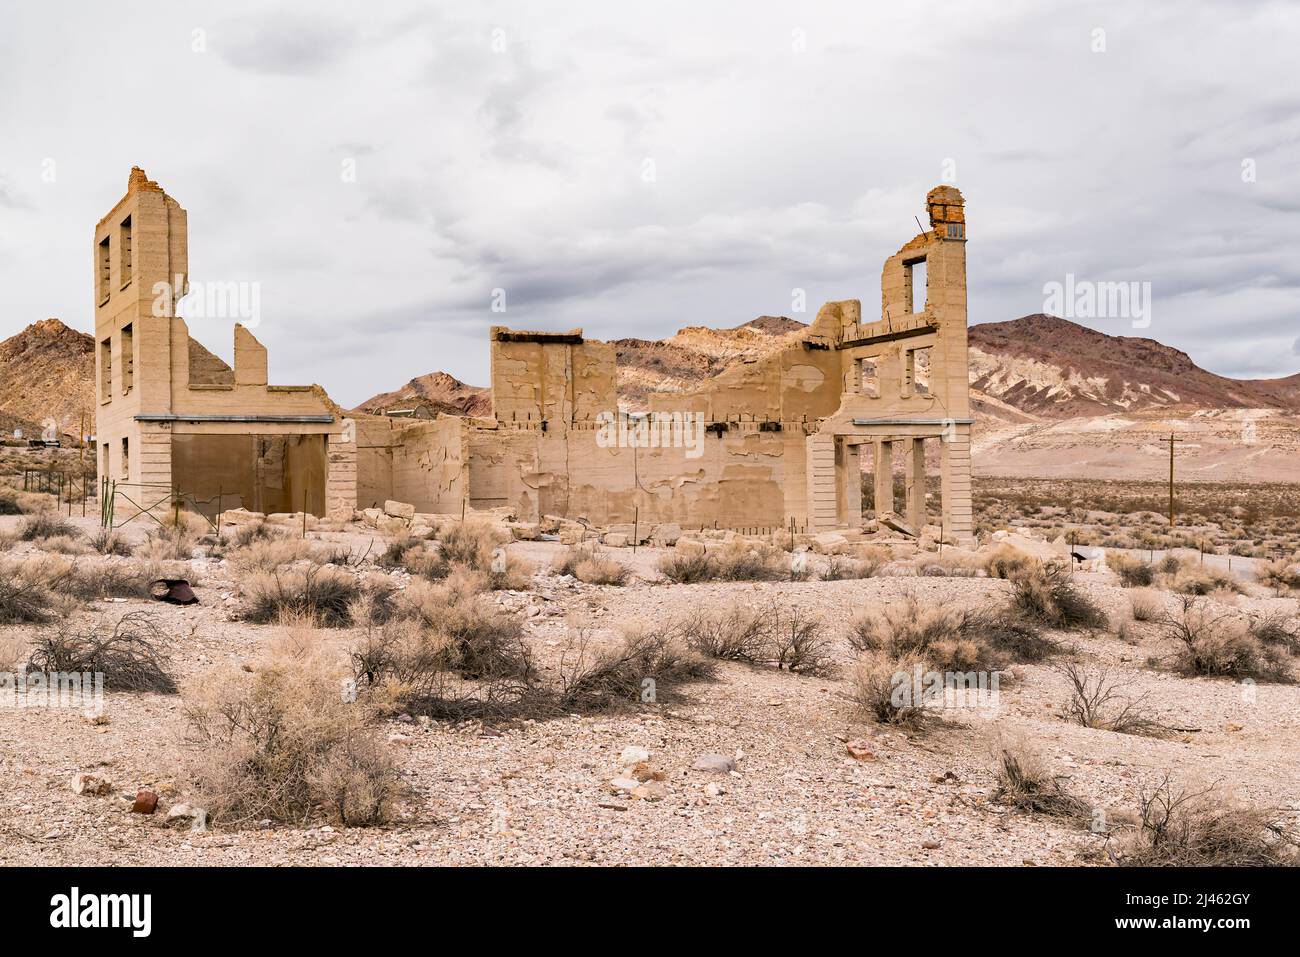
(341,474)
(958,520)
(915,461)
(884,476)
(822,488)
(849,469)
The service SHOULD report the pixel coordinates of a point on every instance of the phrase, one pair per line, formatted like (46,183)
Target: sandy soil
(539,792)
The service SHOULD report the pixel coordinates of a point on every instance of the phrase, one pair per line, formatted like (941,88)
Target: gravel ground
(539,792)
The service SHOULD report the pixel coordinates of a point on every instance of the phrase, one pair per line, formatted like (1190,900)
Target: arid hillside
(47,372)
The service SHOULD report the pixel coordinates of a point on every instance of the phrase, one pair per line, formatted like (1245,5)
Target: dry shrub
(736,633)
(1096,701)
(31,590)
(950,640)
(322,593)
(867,564)
(507,573)
(644,666)
(1190,578)
(588,564)
(283,743)
(1217,644)
(1006,561)
(167,544)
(406,665)
(749,561)
(265,555)
(113,579)
(470,543)
(130,654)
(734,561)
(1132,572)
(1278,631)
(1179,828)
(788,638)
(1282,574)
(9,502)
(252,532)
(1025,783)
(877,679)
(64,545)
(949,564)
(1046,595)
(685,569)
(46,525)
(109,542)
(1146,604)
(1010,637)
(483,639)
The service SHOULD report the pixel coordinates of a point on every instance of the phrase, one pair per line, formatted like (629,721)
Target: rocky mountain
(1042,367)
(47,372)
(429,394)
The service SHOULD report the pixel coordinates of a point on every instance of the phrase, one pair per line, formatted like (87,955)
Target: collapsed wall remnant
(776,442)
(171,416)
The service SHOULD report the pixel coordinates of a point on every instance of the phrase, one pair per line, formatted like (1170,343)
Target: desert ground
(407,748)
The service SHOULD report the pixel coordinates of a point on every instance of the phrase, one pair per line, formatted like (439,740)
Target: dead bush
(1132,572)
(588,564)
(747,561)
(1146,604)
(130,654)
(1180,828)
(30,590)
(881,685)
(1189,578)
(283,743)
(950,640)
(470,543)
(322,593)
(948,564)
(797,642)
(645,666)
(265,555)
(867,565)
(1282,574)
(1046,595)
(1096,701)
(410,666)
(1218,644)
(46,525)
(252,532)
(167,544)
(1008,636)
(508,573)
(9,502)
(107,541)
(1025,783)
(1006,561)
(736,633)
(1277,631)
(687,569)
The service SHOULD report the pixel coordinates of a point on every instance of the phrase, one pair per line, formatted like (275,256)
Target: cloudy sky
(380,169)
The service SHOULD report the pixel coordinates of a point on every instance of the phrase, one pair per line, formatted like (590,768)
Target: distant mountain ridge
(47,372)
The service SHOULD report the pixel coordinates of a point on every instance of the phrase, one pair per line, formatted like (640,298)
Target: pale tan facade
(173,418)
(768,444)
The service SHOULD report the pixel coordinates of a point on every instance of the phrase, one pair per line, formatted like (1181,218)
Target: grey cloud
(284,43)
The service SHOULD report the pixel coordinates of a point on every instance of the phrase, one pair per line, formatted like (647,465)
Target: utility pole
(1171,480)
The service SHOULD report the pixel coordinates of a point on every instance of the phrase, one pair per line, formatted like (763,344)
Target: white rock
(633,755)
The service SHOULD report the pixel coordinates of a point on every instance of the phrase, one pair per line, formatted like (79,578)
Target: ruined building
(766,444)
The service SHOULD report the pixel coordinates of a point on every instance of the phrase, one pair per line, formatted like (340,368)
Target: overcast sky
(380,168)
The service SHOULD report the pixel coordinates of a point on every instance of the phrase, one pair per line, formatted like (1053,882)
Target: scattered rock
(91,784)
(196,817)
(860,750)
(715,763)
(146,802)
(633,755)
